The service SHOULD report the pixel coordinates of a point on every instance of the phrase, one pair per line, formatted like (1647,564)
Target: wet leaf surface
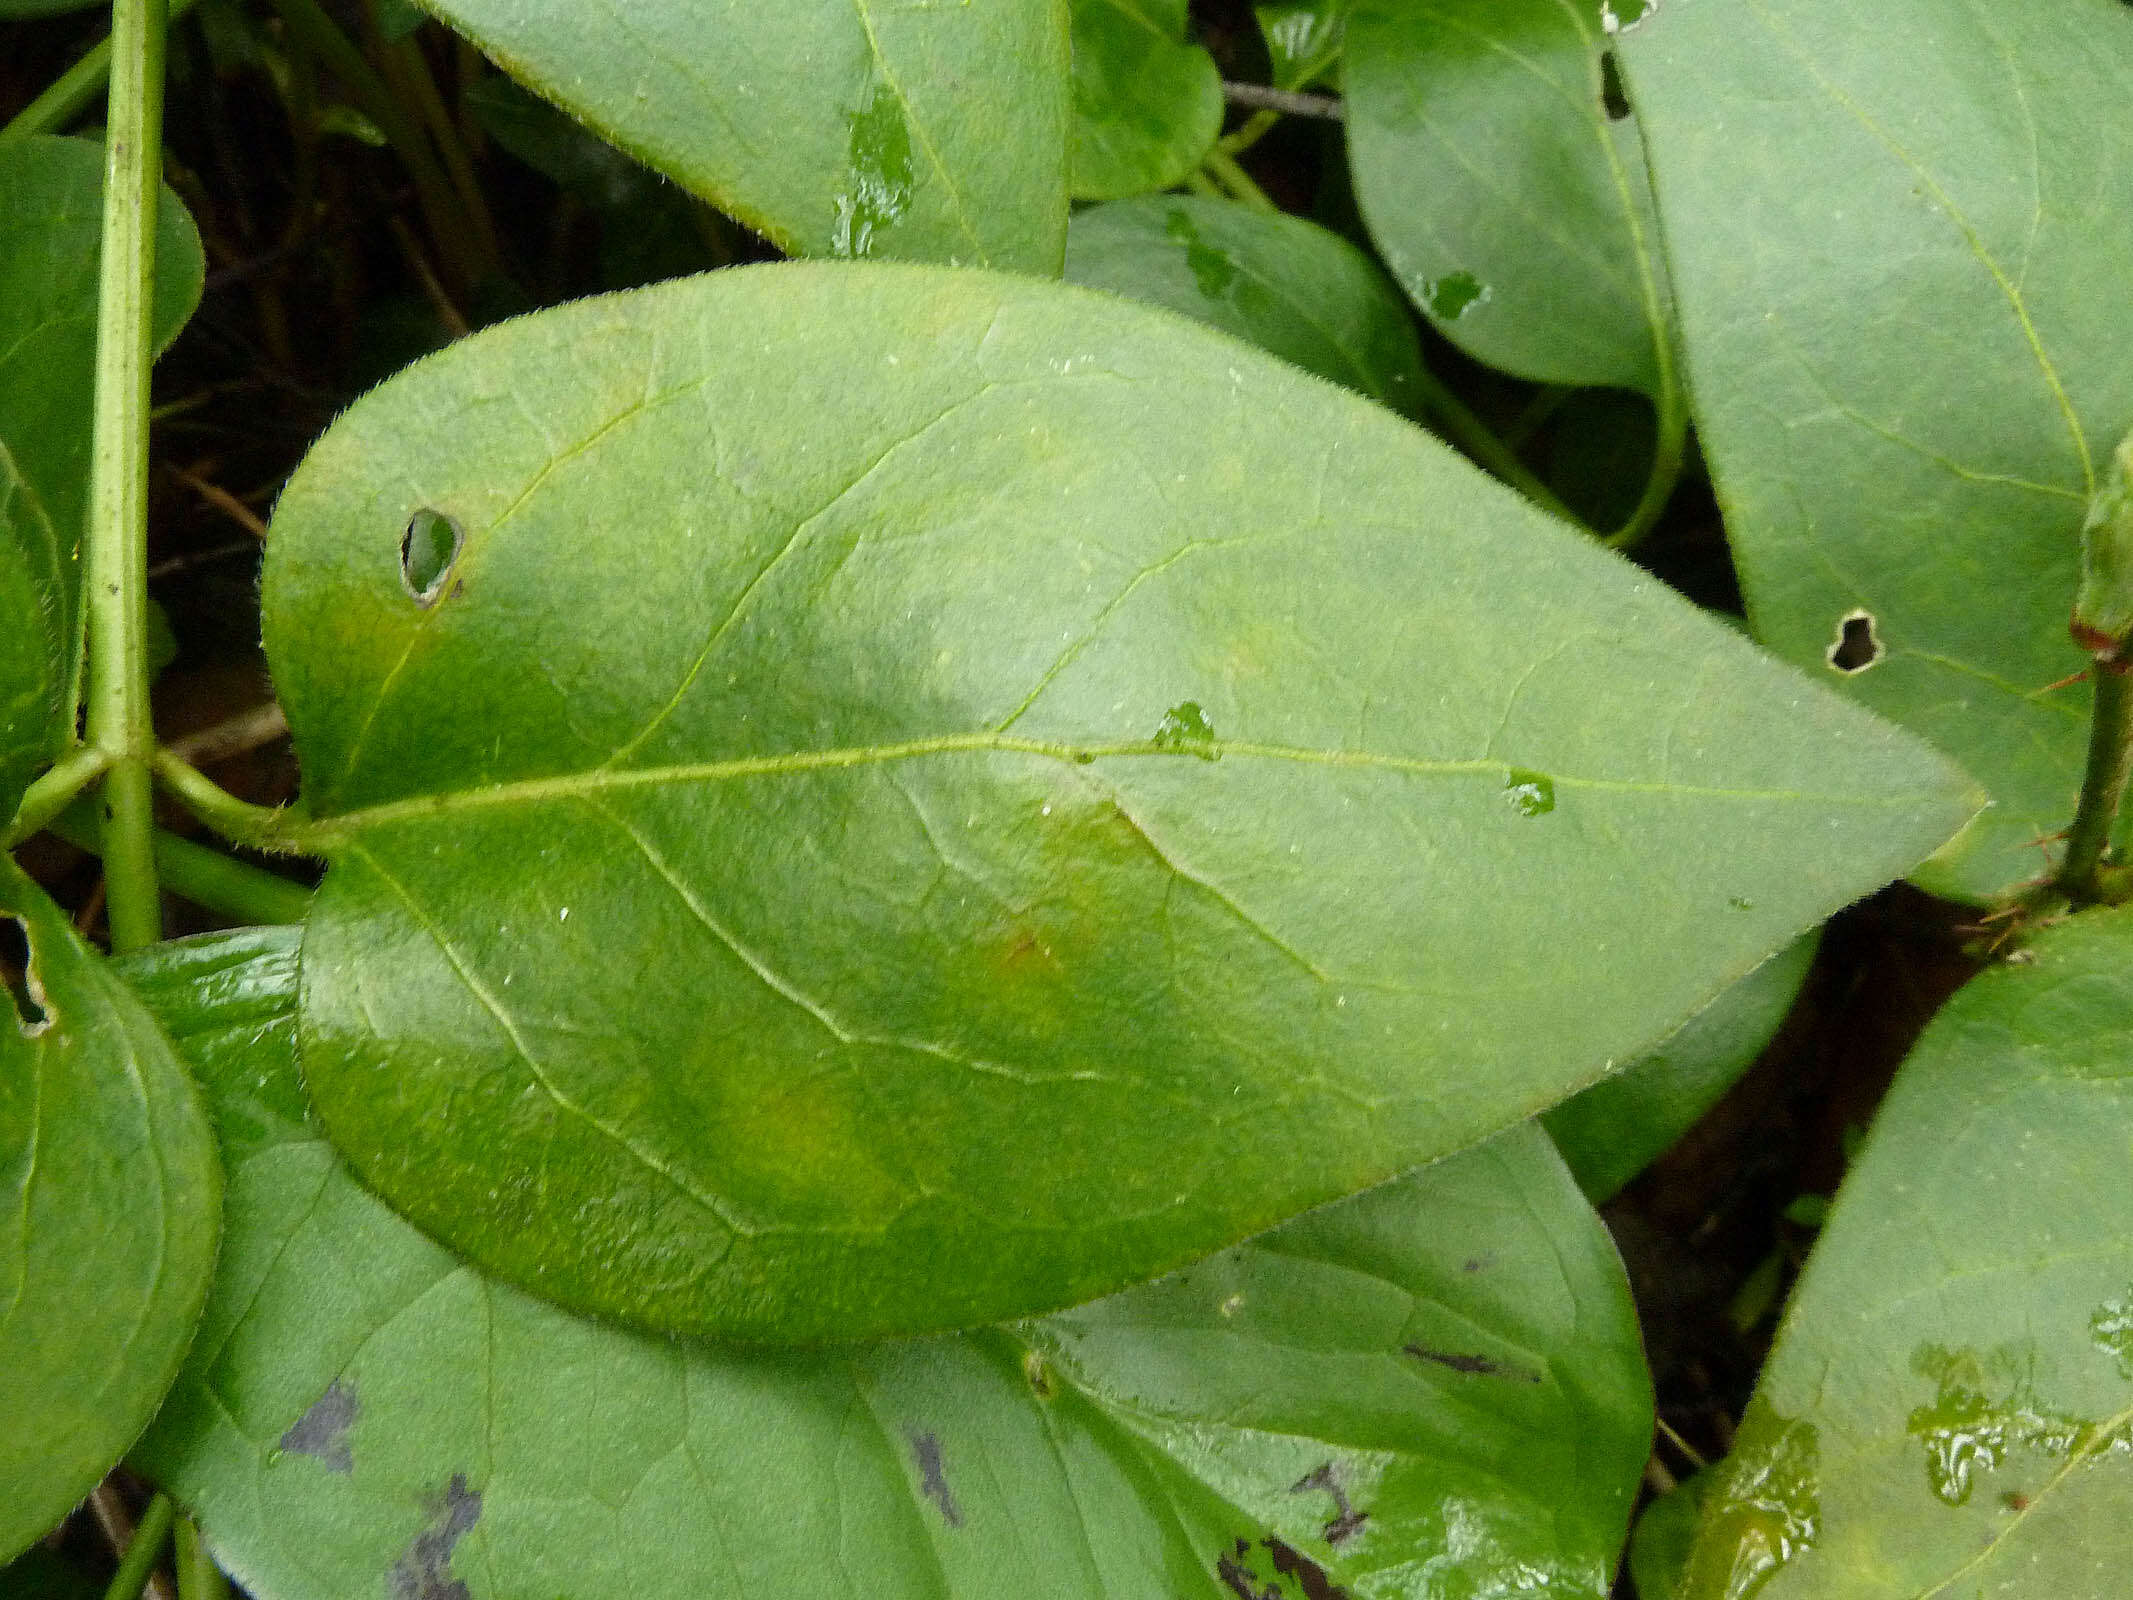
(1949,1407)
(1614,1130)
(1899,238)
(1147,101)
(1285,284)
(1507,200)
(109,1198)
(1018,859)
(1442,1375)
(932,133)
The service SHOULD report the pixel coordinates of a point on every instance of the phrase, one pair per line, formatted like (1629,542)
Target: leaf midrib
(324,832)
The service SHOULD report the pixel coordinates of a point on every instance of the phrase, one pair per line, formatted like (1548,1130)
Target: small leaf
(1147,104)
(1303,39)
(112,1195)
(1905,328)
(1666,1529)
(1508,201)
(1442,1375)
(832,127)
(1287,285)
(1614,1130)
(51,200)
(850,941)
(1949,1406)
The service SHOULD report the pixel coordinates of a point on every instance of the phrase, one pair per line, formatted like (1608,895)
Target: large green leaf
(51,207)
(1949,1408)
(1284,284)
(1147,102)
(1614,1130)
(1442,1375)
(1900,236)
(110,1195)
(1505,199)
(865,799)
(833,127)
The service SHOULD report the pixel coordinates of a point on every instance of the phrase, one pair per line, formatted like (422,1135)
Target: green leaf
(41,8)
(51,207)
(1949,1407)
(1147,104)
(832,127)
(1303,39)
(1505,199)
(31,661)
(1284,284)
(109,1199)
(1618,1127)
(1096,792)
(1666,1530)
(1442,1375)
(1910,351)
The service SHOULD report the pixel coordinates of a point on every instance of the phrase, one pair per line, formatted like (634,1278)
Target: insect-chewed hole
(1612,96)
(1857,646)
(429,549)
(18,965)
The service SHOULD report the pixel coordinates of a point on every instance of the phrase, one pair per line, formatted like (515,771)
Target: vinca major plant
(977,912)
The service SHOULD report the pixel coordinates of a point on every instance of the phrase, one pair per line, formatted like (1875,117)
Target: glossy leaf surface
(1095,792)
(1507,201)
(51,206)
(110,1194)
(1949,1407)
(1900,239)
(1614,1130)
(1284,284)
(1442,1375)
(1147,101)
(832,127)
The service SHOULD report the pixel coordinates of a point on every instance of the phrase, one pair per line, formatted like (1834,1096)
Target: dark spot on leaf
(322,1432)
(1856,646)
(1476,1365)
(1309,1575)
(2015,1500)
(1487,1258)
(1239,1578)
(424,1571)
(1311,1583)
(1347,1521)
(1039,1376)
(18,964)
(932,1479)
(429,549)
(1611,95)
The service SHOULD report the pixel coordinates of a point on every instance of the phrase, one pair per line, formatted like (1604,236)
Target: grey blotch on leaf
(322,1431)
(424,1570)
(932,1478)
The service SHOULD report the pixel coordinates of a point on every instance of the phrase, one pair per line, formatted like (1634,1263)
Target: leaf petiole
(54,792)
(259,827)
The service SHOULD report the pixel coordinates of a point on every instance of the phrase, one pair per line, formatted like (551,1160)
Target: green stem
(440,209)
(228,887)
(73,91)
(1667,458)
(2081,875)
(1201,184)
(153,1531)
(119,721)
(407,71)
(1223,168)
(241,822)
(1474,436)
(198,1576)
(1256,127)
(54,792)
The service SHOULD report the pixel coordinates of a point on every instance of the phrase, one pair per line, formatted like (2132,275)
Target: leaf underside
(1090,793)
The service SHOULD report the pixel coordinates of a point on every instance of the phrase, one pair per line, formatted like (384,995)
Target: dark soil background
(326,273)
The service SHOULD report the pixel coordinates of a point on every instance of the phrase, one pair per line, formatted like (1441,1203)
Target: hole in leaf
(1857,646)
(429,549)
(18,965)
(1611,96)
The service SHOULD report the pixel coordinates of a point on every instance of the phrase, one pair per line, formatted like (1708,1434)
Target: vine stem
(2082,874)
(119,721)
(154,1529)
(53,793)
(73,91)
(198,1576)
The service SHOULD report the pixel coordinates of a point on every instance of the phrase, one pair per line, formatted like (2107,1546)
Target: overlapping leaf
(1287,285)
(1949,1408)
(1147,101)
(1440,1375)
(1507,200)
(1614,1130)
(834,127)
(1900,235)
(51,203)
(1303,39)
(109,1198)
(1091,792)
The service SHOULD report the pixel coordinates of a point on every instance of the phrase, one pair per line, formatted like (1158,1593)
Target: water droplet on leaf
(1454,295)
(1531,794)
(1185,729)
